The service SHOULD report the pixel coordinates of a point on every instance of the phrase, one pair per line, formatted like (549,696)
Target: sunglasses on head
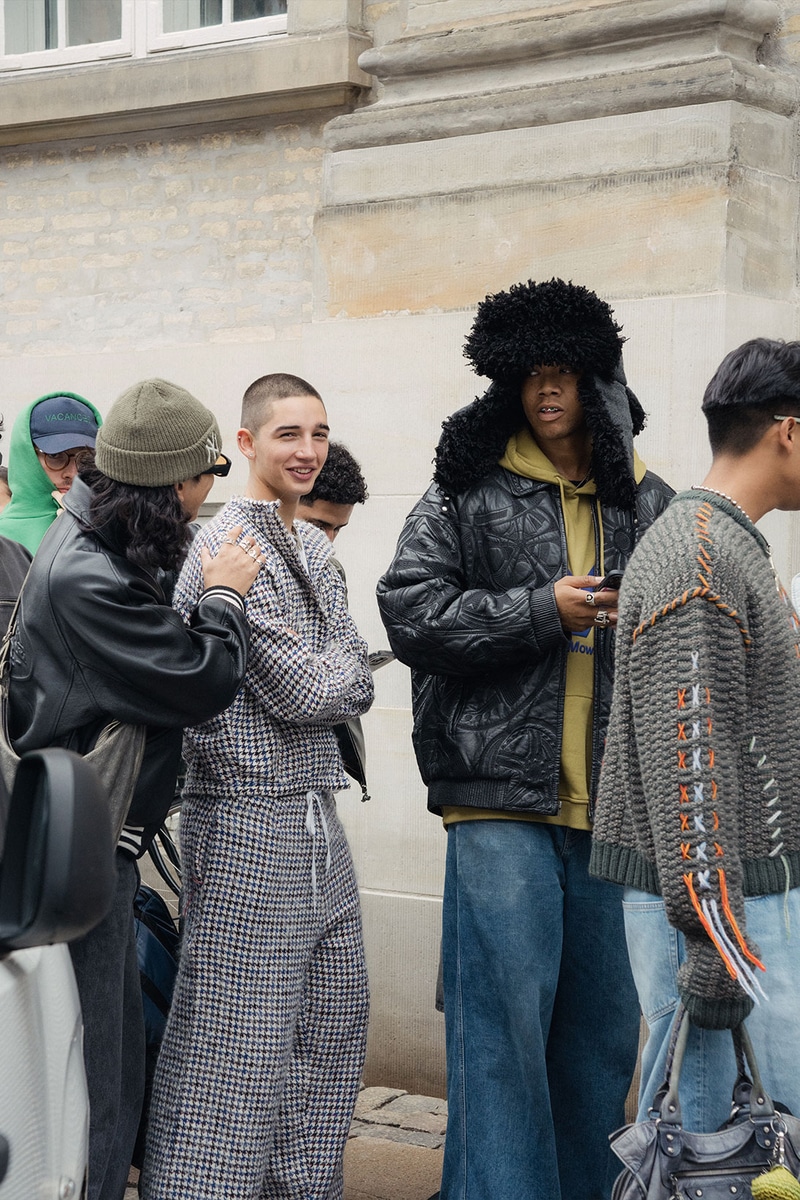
(221,467)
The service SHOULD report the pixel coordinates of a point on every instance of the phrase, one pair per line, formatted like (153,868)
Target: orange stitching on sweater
(687,879)
(720,853)
(681,760)
(684,788)
(686,849)
(726,908)
(713,789)
(684,822)
(715,817)
(681,697)
(703,593)
(711,760)
(681,731)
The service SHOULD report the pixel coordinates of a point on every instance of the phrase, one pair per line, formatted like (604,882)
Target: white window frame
(64,54)
(142,34)
(228,31)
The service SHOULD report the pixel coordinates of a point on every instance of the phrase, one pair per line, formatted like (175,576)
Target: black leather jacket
(96,639)
(469,605)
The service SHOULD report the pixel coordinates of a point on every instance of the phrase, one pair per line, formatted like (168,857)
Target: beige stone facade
(334,201)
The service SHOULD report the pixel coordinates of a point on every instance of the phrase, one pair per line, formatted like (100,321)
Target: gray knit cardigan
(699,797)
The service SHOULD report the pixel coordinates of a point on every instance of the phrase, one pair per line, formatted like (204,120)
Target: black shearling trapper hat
(544,323)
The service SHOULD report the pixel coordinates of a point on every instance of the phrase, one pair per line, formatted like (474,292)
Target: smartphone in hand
(611,581)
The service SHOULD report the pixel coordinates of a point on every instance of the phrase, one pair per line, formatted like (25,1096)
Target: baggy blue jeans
(541,1015)
(709,1070)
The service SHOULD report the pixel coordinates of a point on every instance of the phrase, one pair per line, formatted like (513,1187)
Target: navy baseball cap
(62,421)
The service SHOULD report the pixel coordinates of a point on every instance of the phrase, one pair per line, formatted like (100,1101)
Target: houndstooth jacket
(307,668)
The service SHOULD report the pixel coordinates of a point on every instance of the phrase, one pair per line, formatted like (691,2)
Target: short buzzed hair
(258,399)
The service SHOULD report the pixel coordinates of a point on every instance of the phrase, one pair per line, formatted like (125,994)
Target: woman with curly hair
(97,641)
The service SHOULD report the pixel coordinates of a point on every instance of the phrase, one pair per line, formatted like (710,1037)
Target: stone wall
(110,245)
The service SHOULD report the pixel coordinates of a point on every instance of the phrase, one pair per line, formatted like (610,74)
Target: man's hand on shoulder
(575,612)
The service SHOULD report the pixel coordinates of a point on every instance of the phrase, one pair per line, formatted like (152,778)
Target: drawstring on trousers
(311,827)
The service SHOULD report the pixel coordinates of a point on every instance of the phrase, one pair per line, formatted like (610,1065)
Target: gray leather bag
(664,1161)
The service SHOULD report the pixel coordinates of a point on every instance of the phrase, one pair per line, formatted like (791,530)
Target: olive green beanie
(155,434)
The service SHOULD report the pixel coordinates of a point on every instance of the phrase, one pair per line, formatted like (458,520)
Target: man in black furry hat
(493,600)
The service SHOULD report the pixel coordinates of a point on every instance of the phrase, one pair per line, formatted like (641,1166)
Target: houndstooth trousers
(261,1060)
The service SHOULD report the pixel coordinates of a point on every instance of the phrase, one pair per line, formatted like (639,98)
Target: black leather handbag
(760,1141)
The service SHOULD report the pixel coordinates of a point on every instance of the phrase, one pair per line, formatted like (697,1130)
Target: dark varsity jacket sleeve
(437,623)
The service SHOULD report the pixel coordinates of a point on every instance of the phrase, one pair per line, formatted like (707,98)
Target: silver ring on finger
(602,618)
(253,552)
(229,541)
(590,598)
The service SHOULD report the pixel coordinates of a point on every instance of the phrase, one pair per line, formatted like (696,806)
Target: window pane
(91,21)
(247,10)
(191,14)
(30,25)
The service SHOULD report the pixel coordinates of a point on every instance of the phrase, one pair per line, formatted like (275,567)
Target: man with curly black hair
(338,488)
(495,601)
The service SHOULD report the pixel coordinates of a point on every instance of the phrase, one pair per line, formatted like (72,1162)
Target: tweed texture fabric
(261,1061)
(307,666)
(157,434)
(698,797)
(263,1051)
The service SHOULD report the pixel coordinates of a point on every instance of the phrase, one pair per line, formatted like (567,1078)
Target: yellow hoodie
(524,457)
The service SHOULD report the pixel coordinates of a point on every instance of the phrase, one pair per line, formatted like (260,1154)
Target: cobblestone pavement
(394,1149)
(394,1114)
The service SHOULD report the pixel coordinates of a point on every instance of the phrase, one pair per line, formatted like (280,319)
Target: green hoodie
(32,507)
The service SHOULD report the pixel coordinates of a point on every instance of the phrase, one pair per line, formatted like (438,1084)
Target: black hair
(340,481)
(149,521)
(755,382)
(257,400)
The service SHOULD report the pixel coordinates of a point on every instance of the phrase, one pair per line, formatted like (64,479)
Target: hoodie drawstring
(311,826)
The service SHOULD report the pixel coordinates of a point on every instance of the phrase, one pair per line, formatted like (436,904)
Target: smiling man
(261,1061)
(492,600)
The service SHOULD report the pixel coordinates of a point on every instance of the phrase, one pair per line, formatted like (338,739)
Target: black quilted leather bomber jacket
(469,605)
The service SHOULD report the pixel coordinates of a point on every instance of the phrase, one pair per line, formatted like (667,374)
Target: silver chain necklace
(701,487)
